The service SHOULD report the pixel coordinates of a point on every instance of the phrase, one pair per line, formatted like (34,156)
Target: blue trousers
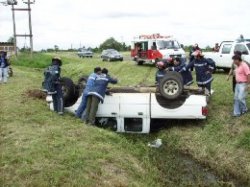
(240,105)
(82,106)
(58,99)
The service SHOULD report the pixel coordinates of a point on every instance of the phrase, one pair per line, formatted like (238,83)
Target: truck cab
(223,58)
(152,48)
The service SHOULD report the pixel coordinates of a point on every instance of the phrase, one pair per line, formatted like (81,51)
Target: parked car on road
(223,58)
(111,55)
(85,53)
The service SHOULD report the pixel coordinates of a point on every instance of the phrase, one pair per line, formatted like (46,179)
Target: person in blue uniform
(58,95)
(203,69)
(96,95)
(161,66)
(4,64)
(186,75)
(90,83)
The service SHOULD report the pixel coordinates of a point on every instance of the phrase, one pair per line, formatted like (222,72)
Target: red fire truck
(155,47)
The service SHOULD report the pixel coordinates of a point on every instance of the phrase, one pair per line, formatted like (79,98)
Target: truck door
(225,58)
(134,112)
(244,50)
(110,110)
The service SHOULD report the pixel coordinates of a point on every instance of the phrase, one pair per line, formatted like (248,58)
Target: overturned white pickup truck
(133,109)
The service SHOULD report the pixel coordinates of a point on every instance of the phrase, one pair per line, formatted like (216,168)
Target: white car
(223,58)
(134,112)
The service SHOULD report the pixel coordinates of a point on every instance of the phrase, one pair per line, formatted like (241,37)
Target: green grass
(40,148)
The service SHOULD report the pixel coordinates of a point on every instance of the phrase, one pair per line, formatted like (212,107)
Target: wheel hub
(171,87)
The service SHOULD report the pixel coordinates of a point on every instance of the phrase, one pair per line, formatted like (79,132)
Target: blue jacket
(186,75)
(203,69)
(3,62)
(90,83)
(159,75)
(100,86)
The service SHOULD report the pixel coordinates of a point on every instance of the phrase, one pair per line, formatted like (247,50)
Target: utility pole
(30,28)
(30,35)
(14,28)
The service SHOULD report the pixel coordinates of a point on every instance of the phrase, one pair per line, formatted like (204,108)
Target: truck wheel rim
(171,87)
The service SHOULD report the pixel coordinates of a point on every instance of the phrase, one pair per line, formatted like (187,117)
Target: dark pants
(91,109)
(234,83)
(58,99)
(207,86)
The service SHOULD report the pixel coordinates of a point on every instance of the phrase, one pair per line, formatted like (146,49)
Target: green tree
(111,43)
(56,48)
(11,39)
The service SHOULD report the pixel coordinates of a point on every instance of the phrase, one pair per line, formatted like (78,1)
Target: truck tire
(70,93)
(81,84)
(140,63)
(226,70)
(171,85)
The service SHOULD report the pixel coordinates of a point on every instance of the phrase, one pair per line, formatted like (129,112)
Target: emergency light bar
(153,36)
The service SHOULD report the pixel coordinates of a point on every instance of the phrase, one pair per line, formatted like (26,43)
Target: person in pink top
(242,73)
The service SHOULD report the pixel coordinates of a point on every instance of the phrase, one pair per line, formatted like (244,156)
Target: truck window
(145,46)
(133,124)
(226,48)
(162,44)
(248,46)
(242,48)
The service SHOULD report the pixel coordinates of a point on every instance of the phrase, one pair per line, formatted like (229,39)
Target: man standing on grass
(203,68)
(242,73)
(89,85)
(97,94)
(3,67)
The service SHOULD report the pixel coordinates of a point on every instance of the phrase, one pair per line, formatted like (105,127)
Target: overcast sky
(90,22)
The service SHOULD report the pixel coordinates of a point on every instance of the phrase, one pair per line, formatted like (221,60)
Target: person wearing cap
(96,95)
(194,48)
(203,69)
(161,66)
(4,64)
(186,75)
(90,83)
(58,95)
(242,75)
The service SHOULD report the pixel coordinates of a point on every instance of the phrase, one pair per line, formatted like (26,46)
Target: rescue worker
(242,73)
(216,48)
(88,87)
(161,66)
(58,95)
(203,69)
(194,48)
(4,64)
(96,95)
(186,75)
